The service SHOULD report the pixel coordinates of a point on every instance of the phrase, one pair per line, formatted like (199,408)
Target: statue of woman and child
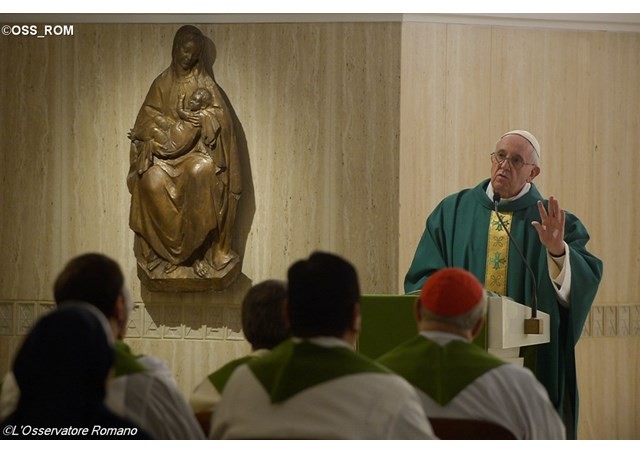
(184,176)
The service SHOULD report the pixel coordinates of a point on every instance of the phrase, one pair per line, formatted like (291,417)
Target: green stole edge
(293,367)
(125,361)
(441,372)
(220,377)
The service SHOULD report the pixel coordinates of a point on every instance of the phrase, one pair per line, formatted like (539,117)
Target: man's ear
(535,171)
(356,322)
(476,329)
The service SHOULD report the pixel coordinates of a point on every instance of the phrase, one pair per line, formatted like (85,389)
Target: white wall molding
(201,18)
(587,22)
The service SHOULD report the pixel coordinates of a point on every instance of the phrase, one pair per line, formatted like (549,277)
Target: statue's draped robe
(176,202)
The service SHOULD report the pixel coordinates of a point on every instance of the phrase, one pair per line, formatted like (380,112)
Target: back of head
(263,314)
(453,296)
(323,291)
(92,278)
(65,359)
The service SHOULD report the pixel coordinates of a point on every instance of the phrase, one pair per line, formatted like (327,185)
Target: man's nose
(506,162)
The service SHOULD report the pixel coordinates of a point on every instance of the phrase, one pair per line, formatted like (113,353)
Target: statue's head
(187,47)
(201,98)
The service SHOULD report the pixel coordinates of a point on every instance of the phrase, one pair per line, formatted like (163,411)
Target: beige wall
(354,131)
(318,106)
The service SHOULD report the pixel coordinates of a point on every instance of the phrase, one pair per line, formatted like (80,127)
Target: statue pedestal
(184,278)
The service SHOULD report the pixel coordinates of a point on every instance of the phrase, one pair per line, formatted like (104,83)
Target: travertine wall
(354,131)
(318,106)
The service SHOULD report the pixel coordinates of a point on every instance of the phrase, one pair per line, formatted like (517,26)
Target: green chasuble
(125,361)
(293,367)
(456,236)
(220,377)
(439,371)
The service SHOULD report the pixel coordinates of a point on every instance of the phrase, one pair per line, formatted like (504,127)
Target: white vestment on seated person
(508,395)
(205,397)
(150,400)
(359,404)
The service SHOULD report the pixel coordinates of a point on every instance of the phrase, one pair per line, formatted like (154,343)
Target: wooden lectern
(388,320)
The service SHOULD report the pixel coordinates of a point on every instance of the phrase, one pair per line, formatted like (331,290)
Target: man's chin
(500,183)
(501,189)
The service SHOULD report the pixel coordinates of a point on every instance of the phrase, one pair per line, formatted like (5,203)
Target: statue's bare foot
(153,263)
(168,268)
(200,268)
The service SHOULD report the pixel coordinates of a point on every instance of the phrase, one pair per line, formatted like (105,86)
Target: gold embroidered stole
(497,253)
(495,278)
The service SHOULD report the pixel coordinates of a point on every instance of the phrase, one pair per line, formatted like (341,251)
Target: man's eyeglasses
(516,161)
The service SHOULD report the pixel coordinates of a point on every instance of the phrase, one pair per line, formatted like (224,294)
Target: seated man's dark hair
(93,278)
(263,314)
(323,291)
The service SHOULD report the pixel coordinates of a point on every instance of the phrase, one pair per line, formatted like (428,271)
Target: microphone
(532,325)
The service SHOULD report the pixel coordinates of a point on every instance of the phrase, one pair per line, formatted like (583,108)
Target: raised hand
(551,230)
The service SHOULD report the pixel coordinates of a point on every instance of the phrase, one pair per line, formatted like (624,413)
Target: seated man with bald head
(455,378)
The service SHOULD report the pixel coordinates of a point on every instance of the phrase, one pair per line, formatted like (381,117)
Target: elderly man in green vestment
(464,231)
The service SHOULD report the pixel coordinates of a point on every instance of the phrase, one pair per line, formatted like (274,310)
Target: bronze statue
(184,176)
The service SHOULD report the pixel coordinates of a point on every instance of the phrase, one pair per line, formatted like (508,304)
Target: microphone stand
(532,325)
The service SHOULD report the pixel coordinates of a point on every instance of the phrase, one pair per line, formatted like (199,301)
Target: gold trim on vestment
(498,253)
